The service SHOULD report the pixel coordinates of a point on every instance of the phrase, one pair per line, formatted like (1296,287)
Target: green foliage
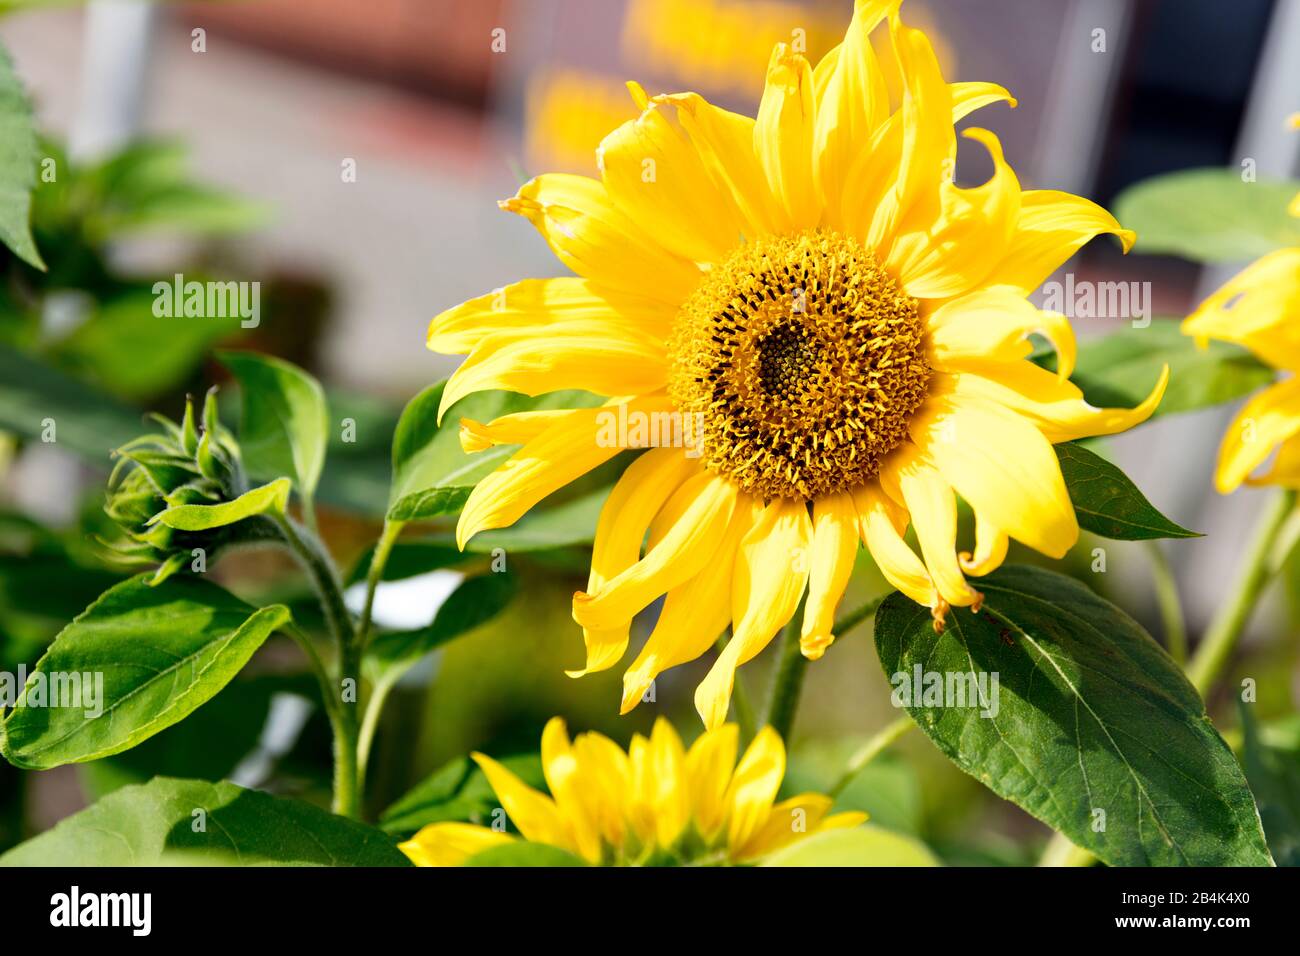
(525,854)
(432,475)
(1107,502)
(192,822)
(285,421)
(1119,369)
(1273,769)
(1209,215)
(1092,718)
(162,650)
(474,602)
(457,791)
(18,155)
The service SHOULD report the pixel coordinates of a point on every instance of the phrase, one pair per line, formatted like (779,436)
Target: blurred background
(349,156)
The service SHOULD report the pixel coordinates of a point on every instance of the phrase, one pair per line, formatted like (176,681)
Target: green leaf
(1118,370)
(1209,215)
(431,474)
(272,497)
(162,651)
(1274,775)
(865,845)
(133,353)
(457,791)
(18,156)
(1107,502)
(85,419)
(285,422)
(193,822)
(412,557)
(561,526)
(1090,715)
(522,853)
(475,602)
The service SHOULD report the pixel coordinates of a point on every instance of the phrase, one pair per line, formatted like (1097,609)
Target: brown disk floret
(805,358)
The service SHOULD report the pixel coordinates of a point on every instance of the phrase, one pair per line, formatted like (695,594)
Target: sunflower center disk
(806,361)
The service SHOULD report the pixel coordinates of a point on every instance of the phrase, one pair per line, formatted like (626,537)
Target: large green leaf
(18,155)
(86,420)
(865,845)
(270,497)
(285,422)
(1274,775)
(1119,369)
(162,651)
(475,602)
(1209,215)
(1093,729)
(189,822)
(457,791)
(431,474)
(1107,502)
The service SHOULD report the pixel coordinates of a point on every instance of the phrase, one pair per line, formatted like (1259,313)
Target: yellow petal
(970,233)
(754,786)
(834,548)
(929,498)
(588,355)
(534,814)
(579,222)
(538,303)
(789,820)
(1051,228)
(1257,309)
(852,100)
(783,137)
(660,785)
(883,523)
(770,574)
(637,496)
(606,775)
(654,173)
(709,765)
(1285,470)
(1055,407)
(451,844)
(518,428)
(971,96)
(1264,422)
(565,451)
(927,140)
(725,142)
(996,324)
(569,789)
(1004,468)
(694,613)
(679,556)
(991,545)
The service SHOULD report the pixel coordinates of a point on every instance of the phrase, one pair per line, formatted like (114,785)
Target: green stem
(369,723)
(311,553)
(1171,608)
(1225,630)
(788,681)
(872,749)
(383,548)
(741,706)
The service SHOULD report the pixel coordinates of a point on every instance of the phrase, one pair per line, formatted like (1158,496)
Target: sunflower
(1257,309)
(848,327)
(656,804)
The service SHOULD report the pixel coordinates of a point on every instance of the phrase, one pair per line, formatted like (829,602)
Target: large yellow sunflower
(847,325)
(657,803)
(1258,308)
